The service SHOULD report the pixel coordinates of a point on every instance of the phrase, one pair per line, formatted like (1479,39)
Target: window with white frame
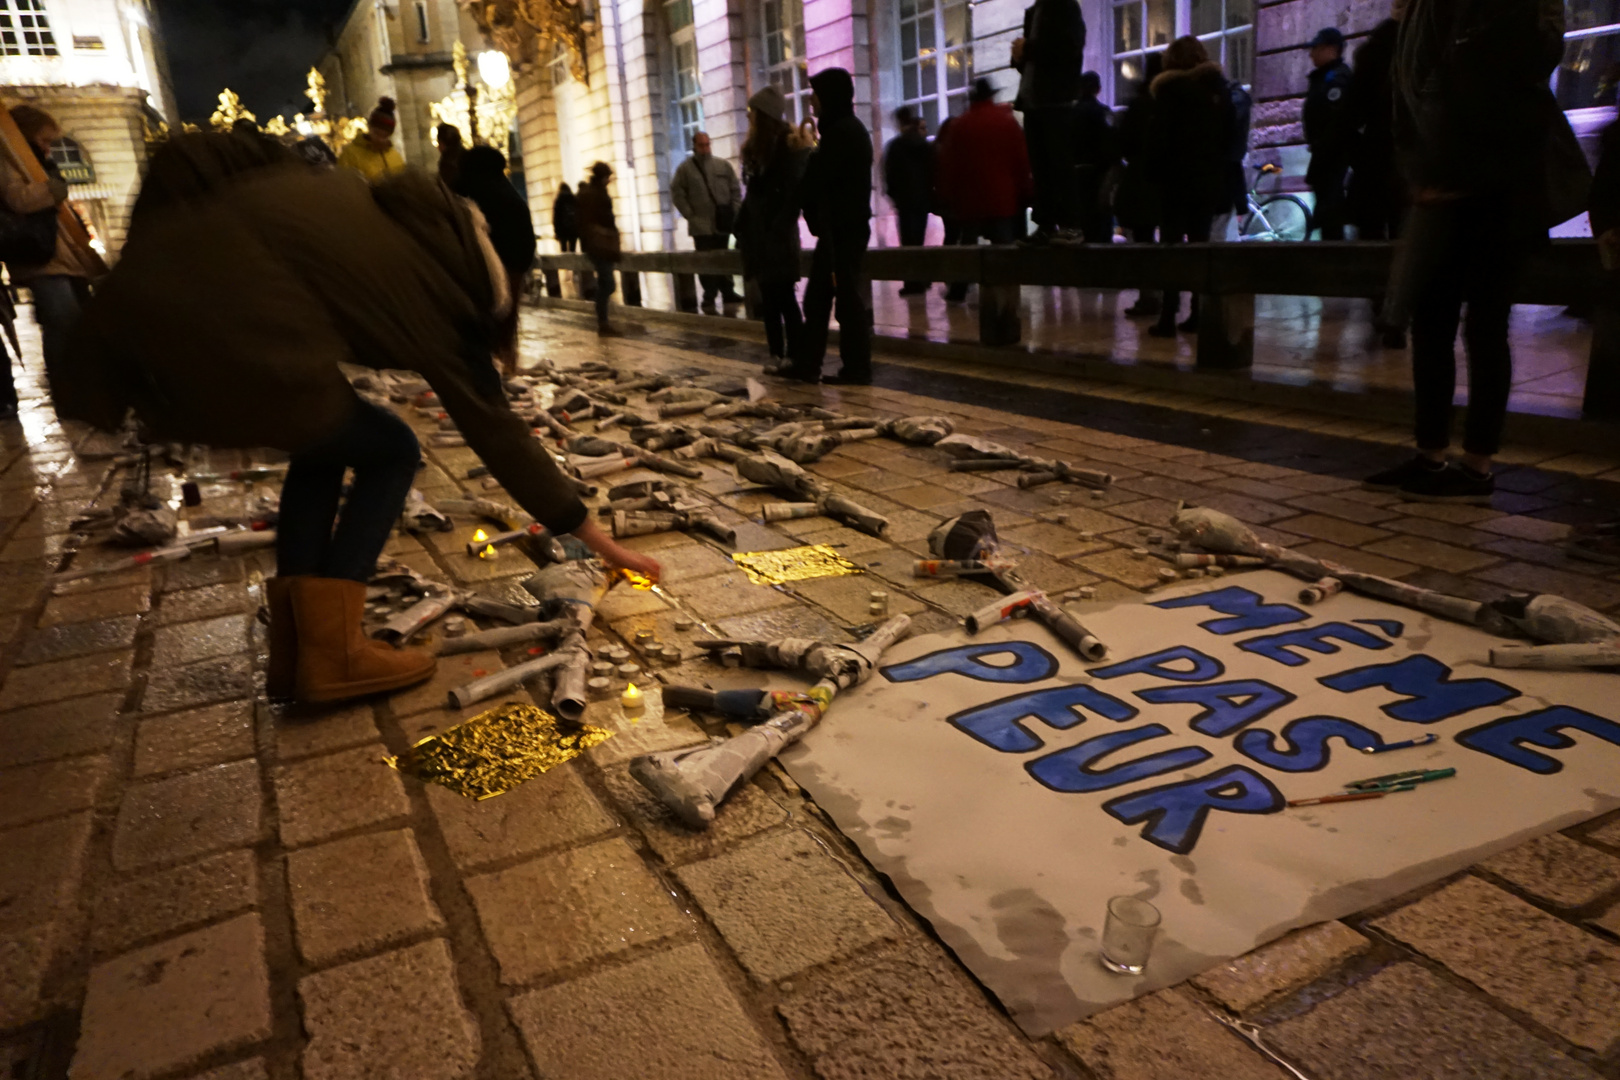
(782,26)
(1586,77)
(1226,27)
(687,87)
(936,57)
(25,30)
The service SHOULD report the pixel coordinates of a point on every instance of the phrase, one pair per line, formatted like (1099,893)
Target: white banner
(1009,790)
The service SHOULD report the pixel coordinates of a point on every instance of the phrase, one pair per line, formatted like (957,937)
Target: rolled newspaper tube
(663,464)
(702,448)
(1557,657)
(1036,479)
(1320,590)
(957,567)
(626,523)
(984,464)
(999,611)
(868,521)
(485,607)
(787,511)
(144,558)
(408,622)
(1447,607)
(568,690)
(234,543)
(856,434)
(1298,563)
(1067,627)
(203,537)
(444,438)
(1091,478)
(503,637)
(604,467)
(1188,560)
(681,408)
(544,419)
(502,681)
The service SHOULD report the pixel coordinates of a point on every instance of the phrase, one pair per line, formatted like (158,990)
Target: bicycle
(1278,216)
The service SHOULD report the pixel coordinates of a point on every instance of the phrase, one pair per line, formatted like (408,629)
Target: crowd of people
(285,261)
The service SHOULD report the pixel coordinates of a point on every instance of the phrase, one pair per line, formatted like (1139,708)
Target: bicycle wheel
(1289,218)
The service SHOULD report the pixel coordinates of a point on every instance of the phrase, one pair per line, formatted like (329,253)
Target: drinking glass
(1128,935)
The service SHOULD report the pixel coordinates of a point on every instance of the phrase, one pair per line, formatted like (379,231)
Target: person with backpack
(1192,121)
(1136,199)
(37,251)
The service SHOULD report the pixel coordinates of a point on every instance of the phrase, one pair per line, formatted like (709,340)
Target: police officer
(1329,131)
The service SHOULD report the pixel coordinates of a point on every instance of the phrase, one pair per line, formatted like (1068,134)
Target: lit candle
(631,698)
(479,536)
(489,552)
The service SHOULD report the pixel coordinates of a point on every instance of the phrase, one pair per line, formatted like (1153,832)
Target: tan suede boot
(335,659)
(280,675)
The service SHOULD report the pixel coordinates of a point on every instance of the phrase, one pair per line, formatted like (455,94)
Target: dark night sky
(259,48)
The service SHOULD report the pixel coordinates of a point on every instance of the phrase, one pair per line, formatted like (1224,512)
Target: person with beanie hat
(373,155)
(774,157)
(837,199)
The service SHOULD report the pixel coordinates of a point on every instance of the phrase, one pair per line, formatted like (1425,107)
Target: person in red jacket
(984,178)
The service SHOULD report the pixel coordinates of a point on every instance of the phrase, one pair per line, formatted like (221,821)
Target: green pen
(1412,776)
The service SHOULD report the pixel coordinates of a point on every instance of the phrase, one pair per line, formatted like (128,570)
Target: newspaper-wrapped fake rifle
(693,782)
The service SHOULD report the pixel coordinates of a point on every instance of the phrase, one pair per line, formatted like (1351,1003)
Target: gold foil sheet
(793,564)
(496,751)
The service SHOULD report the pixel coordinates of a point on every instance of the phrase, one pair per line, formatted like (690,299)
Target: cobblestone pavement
(196,886)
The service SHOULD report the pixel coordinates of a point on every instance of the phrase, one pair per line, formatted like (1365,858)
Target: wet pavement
(197,885)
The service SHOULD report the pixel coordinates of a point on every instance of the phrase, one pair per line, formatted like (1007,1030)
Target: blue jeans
(384,454)
(58,300)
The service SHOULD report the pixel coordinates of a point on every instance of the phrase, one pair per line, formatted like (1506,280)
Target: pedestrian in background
(565,218)
(451,150)
(1192,126)
(1330,130)
(908,181)
(774,159)
(599,236)
(1048,58)
(1474,123)
(1235,183)
(56,272)
(1376,196)
(1095,153)
(706,193)
(837,202)
(984,174)
(373,155)
(1136,199)
(481,177)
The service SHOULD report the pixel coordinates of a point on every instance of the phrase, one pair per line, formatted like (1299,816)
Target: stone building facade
(629,81)
(402,49)
(99,67)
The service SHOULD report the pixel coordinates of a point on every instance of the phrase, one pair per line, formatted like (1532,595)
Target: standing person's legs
(1490,360)
(1331,207)
(854,308)
(58,301)
(713,284)
(818,305)
(604,289)
(967,235)
(775,297)
(1198,232)
(1142,232)
(913,232)
(1050,135)
(1173,229)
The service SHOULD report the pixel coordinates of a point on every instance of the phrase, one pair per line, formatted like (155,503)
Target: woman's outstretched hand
(614,553)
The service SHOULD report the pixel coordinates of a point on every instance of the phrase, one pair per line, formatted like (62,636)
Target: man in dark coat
(1048,59)
(1192,123)
(1136,200)
(1095,154)
(1330,130)
(243,287)
(1473,118)
(837,201)
(908,180)
(480,175)
(599,237)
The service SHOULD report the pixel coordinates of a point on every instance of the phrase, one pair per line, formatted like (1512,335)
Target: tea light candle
(631,698)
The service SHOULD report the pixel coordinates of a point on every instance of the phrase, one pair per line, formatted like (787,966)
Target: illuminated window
(936,57)
(1226,27)
(24,29)
(688,87)
(782,23)
(1586,77)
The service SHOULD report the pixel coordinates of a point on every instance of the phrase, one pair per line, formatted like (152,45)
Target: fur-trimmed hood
(1209,70)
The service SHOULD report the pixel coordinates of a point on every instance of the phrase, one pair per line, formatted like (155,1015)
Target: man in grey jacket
(707,194)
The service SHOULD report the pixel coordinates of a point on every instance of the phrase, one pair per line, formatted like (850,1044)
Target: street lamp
(494,68)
